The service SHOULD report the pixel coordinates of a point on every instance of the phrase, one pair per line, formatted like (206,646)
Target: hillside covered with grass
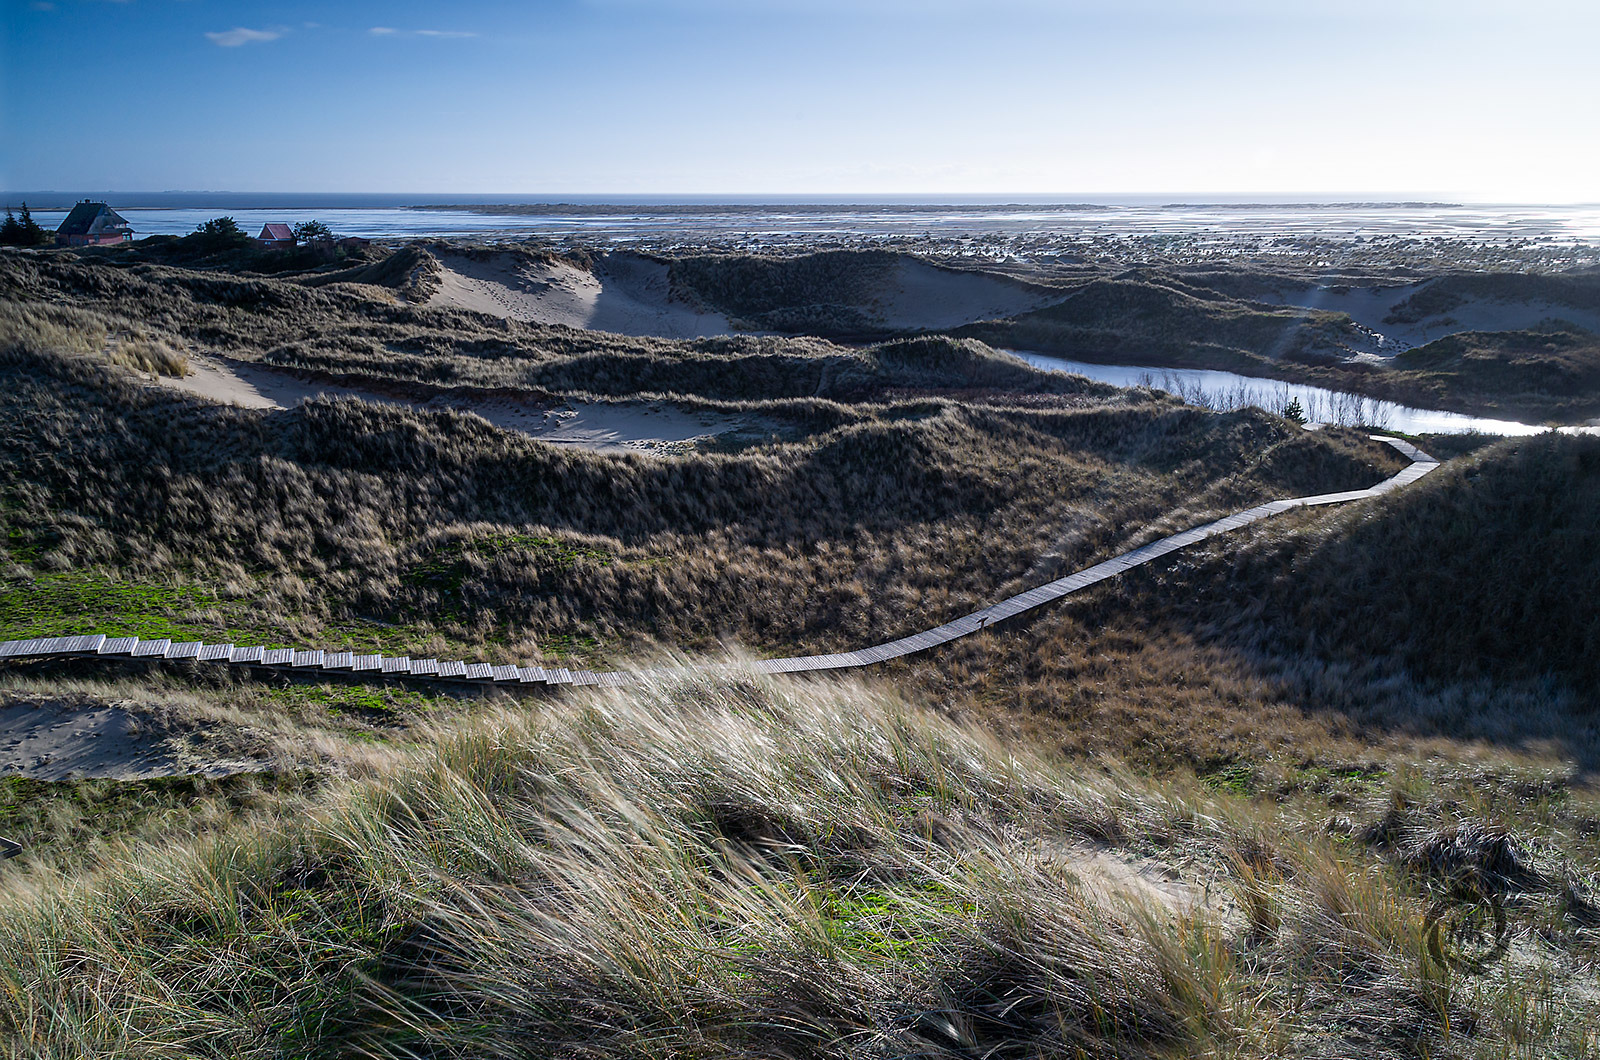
(1237,803)
(729,868)
(1496,343)
(131,507)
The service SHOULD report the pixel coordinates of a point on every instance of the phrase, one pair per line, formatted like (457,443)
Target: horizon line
(490,198)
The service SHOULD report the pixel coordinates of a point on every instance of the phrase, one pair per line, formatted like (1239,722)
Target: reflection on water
(1225,391)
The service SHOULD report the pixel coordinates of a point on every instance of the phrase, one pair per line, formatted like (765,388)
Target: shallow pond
(1225,391)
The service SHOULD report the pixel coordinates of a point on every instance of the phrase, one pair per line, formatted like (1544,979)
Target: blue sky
(1467,99)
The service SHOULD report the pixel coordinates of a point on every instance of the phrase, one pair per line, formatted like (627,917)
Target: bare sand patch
(921,296)
(247,385)
(632,295)
(56,737)
(657,427)
(625,294)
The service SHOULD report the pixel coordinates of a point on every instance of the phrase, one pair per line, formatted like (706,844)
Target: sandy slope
(625,294)
(55,737)
(923,296)
(631,295)
(1368,306)
(653,427)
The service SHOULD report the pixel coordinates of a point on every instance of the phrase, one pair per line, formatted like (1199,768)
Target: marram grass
(736,867)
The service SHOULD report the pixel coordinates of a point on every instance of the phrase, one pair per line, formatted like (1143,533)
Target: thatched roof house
(93,224)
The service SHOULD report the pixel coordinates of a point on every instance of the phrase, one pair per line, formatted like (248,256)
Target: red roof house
(278,236)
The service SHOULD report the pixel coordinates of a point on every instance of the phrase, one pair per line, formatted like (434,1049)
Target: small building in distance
(276,237)
(93,224)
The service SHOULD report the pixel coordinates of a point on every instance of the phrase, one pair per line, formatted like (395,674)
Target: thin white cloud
(390,31)
(232,38)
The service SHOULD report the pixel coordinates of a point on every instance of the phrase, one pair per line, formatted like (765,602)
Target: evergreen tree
(219,233)
(10,231)
(32,234)
(312,231)
(1293,411)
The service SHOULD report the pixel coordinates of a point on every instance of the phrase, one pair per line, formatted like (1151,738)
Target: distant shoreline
(735,209)
(573,204)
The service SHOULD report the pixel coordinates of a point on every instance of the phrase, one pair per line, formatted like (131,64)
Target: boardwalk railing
(387,667)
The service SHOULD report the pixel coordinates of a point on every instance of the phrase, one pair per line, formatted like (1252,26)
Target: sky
(1466,100)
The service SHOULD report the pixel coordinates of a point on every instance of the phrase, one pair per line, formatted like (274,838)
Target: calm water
(1225,390)
(390,217)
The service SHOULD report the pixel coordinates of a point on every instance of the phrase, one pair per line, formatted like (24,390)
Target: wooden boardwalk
(381,667)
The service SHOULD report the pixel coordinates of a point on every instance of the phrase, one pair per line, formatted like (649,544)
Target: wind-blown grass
(728,867)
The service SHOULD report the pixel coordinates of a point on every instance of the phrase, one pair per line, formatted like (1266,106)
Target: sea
(624,219)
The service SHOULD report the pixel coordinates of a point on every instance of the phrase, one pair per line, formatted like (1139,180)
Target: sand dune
(632,295)
(625,294)
(1369,306)
(644,426)
(921,296)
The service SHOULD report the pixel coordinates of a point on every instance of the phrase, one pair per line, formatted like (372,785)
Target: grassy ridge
(728,868)
(339,515)
(1146,314)
(1449,618)
(1484,569)
(342,325)
(364,320)
(1552,370)
(1334,728)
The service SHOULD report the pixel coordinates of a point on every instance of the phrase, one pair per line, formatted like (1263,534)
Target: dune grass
(727,867)
(1325,731)
(342,520)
